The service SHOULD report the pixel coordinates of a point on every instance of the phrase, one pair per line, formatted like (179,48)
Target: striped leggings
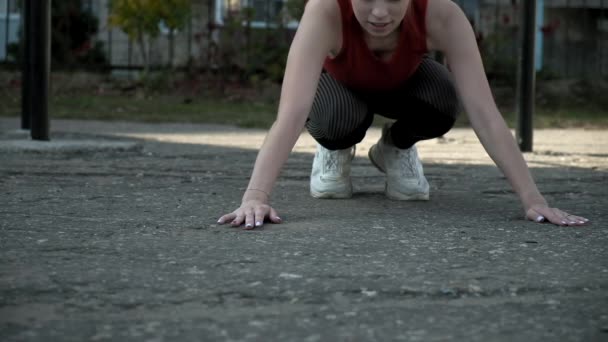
(424,107)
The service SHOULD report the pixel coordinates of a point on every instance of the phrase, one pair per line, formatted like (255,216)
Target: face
(379,18)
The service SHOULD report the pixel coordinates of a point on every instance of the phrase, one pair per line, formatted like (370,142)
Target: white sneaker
(405,179)
(330,177)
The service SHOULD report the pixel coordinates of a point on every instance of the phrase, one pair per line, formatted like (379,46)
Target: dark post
(26,36)
(527,78)
(40,60)
(7,22)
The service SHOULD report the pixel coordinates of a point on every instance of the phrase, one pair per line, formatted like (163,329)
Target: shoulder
(326,17)
(438,16)
(328,9)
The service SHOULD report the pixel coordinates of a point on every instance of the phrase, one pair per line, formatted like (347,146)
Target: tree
(72,31)
(174,14)
(141,19)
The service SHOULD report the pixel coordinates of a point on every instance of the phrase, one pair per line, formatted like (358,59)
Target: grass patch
(560,105)
(153,109)
(247,114)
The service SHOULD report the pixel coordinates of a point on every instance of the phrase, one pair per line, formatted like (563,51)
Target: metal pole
(26,109)
(7,28)
(567,51)
(40,67)
(129,52)
(527,78)
(601,57)
(110,47)
(189,29)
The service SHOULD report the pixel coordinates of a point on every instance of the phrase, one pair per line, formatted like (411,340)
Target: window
(91,6)
(12,6)
(265,12)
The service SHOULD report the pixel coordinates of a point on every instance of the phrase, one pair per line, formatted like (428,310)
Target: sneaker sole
(397,196)
(330,195)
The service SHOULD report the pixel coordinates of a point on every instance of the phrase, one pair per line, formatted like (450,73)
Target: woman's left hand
(543,213)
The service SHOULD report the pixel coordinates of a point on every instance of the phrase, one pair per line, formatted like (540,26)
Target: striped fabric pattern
(425,107)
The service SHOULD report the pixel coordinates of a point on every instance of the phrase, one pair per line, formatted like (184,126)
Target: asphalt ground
(108,233)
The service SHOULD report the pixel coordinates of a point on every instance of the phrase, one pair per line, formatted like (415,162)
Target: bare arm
(451,33)
(311,44)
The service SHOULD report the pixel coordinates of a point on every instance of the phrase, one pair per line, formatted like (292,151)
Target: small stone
(369,293)
(289,276)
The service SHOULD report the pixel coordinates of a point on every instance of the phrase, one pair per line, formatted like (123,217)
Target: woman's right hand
(252,213)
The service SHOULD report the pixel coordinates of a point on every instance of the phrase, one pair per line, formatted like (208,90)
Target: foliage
(255,55)
(498,51)
(72,32)
(174,14)
(295,8)
(141,19)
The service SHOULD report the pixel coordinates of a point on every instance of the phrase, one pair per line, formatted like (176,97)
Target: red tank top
(358,68)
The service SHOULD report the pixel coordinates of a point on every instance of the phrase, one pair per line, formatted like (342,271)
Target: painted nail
(248,225)
(564,222)
(540,219)
(257,224)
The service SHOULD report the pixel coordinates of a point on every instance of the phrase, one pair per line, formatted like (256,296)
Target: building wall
(576,42)
(574,34)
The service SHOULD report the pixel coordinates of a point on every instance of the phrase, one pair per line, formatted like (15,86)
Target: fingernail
(257,224)
(278,218)
(540,219)
(248,225)
(564,222)
(220,221)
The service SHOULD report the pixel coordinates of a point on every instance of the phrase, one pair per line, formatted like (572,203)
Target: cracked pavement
(115,245)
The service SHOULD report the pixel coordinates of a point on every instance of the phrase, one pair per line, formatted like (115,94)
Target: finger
(580,219)
(239,219)
(557,217)
(226,218)
(535,216)
(549,215)
(260,214)
(574,220)
(570,220)
(274,217)
(249,219)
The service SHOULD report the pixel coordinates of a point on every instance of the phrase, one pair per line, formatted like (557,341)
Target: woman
(372,52)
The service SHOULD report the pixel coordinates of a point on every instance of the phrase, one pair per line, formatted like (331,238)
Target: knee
(335,132)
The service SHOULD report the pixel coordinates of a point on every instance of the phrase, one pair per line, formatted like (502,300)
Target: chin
(378,34)
(374,33)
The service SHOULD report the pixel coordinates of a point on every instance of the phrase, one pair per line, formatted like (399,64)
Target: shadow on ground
(124,246)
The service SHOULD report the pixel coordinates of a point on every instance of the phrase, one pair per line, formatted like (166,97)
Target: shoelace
(333,162)
(408,163)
